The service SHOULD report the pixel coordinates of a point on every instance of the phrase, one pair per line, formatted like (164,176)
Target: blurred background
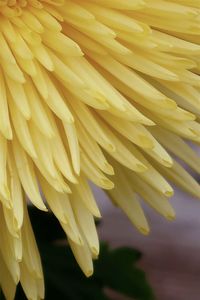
(171,253)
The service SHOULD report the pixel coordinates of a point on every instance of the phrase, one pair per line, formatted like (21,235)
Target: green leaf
(115,269)
(64,280)
(1,296)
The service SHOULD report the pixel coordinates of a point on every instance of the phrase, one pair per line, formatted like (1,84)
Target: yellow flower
(94,90)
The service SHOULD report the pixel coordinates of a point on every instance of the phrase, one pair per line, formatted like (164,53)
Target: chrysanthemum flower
(98,91)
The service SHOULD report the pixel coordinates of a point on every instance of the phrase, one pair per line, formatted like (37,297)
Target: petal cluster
(100,91)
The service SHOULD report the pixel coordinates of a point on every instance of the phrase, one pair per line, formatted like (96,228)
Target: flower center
(13,8)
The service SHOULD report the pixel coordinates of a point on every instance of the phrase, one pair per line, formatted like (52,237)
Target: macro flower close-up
(99,91)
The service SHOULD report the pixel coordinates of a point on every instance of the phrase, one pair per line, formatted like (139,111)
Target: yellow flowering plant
(102,91)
